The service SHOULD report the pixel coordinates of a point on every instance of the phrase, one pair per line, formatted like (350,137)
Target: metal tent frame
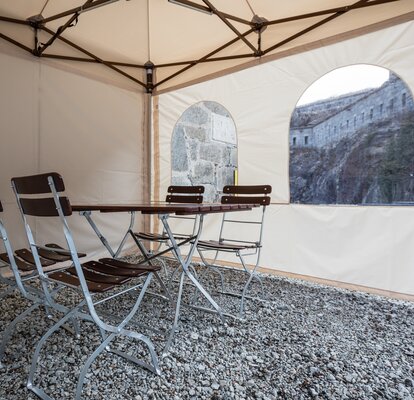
(255,33)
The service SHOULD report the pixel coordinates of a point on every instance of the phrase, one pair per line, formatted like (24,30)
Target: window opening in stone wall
(204,149)
(370,162)
(294,141)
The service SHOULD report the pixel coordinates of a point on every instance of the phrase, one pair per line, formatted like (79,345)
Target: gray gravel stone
(301,341)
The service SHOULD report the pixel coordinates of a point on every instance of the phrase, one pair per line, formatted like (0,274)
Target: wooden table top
(164,208)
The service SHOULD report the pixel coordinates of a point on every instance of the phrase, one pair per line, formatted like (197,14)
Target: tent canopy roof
(183,39)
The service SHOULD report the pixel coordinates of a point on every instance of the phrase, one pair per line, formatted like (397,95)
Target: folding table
(164,210)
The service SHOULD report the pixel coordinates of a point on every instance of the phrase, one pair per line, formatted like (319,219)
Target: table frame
(163,210)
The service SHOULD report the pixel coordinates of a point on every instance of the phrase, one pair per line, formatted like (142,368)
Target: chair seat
(223,246)
(152,237)
(103,275)
(93,276)
(126,265)
(56,256)
(21,265)
(72,280)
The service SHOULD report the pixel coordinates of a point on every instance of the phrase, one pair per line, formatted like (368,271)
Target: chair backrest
(242,194)
(258,194)
(39,185)
(185,194)
(30,194)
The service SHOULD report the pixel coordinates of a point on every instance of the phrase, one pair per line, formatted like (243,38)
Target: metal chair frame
(86,309)
(176,194)
(35,296)
(241,248)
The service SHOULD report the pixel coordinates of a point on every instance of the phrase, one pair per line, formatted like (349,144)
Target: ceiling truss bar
(16,43)
(88,53)
(202,59)
(314,26)
(324,12)
(14,20)
(224,58)
(239,35)
(60,30)
(237,19)
(91,60)
(202,8)
(96,3)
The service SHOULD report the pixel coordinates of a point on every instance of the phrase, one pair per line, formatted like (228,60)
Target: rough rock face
(204,149)
(374,166)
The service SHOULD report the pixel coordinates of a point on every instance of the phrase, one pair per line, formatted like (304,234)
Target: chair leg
(213,267)
(9,330)
(163,287)
(39,392)
(171,280)
(252,274)
(88,363)
(177,314)
(122,332)
(134,335)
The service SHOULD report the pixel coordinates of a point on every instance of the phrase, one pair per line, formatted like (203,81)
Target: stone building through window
(204,149)
(341,158)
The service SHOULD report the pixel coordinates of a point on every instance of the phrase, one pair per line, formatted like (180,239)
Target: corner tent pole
(147,149)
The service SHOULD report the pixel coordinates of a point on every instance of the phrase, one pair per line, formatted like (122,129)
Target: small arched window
(204,149)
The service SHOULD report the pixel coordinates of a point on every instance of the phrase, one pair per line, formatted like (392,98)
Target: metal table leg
(185,264)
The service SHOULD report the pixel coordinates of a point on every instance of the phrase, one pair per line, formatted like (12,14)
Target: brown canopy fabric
(158,44)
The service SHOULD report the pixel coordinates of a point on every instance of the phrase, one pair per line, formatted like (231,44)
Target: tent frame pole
(39,24)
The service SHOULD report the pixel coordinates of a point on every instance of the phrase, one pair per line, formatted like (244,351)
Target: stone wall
(204,149)
(390,101)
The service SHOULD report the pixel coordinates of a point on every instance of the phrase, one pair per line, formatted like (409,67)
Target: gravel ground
(306,341)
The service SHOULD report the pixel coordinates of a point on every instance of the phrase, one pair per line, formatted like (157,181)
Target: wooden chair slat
(38,184)
(245,189)
(184,199)
(262,200)
(45,207)
(185,189)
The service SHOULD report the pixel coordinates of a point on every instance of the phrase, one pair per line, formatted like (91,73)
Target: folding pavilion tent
(93,89)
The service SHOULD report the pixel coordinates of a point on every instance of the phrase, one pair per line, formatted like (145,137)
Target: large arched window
(204,149)
(352,139)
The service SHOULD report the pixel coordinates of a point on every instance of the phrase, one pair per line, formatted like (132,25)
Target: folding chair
(241,247)
(18,271)
(176,194)
(98,282)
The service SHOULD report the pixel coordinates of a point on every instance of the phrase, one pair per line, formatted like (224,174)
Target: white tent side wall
(369,246)
(89,131)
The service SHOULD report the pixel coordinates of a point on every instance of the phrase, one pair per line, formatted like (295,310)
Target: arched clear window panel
(368,161)
(204,149)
